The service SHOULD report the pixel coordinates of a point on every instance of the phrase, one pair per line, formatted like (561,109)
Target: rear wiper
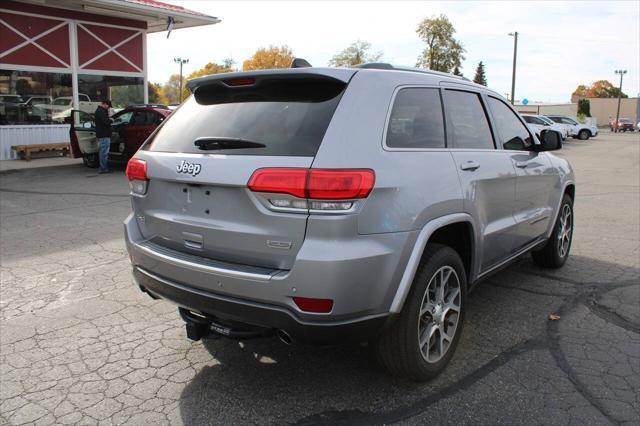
(214,143)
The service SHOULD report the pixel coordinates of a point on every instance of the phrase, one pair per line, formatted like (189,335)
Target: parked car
(30,110)
(324,204)
(539,123)
(131,127)
(61,107)
(9,108)
(576,129)
(623,125)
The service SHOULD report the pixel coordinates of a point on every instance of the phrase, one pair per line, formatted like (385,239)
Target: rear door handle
(521,164)
(470,165)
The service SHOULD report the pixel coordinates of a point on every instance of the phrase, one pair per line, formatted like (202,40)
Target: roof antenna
(299,63)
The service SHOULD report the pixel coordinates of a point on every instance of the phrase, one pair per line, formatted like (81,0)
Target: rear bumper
(231,311)
(360,274)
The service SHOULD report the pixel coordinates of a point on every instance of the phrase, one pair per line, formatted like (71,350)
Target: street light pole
(622,73)
(513,73)
(181,62)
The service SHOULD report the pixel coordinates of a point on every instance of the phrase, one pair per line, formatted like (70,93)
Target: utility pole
(513,74)
(622,73)
(181,62)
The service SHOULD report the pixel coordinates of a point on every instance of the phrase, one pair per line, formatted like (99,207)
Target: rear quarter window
(416,119)
(289,117)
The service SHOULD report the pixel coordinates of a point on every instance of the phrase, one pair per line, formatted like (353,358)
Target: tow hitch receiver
(199,327)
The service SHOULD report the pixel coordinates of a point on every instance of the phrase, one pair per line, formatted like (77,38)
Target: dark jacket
(103,123)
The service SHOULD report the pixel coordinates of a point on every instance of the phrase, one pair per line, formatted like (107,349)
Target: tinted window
(514,133)
(534,120)
(144,118)
(566,120)
(123,118)
(468,121)
(416,119)
(287,116)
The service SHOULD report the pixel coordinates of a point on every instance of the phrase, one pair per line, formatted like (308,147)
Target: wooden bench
(25,151)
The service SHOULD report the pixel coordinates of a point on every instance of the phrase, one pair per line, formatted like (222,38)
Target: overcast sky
(561,44)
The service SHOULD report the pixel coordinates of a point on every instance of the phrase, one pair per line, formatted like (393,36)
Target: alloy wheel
(439,314)
(566,228)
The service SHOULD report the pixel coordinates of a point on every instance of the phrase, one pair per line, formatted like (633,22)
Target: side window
(528,119)
(416,119)
(568,121)
(123,118)
(555,119)
(514,134)
(468,120)
(536,120)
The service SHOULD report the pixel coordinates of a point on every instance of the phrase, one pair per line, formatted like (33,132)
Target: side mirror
(550,141)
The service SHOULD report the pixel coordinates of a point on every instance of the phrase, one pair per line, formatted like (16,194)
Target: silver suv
(324,205)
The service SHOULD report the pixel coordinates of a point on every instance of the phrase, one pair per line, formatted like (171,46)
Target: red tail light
(318,306)
(280,181)
(136,169)
(339,184)
(318,184)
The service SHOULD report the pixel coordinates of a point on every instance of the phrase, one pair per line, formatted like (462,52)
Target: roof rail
(387,66)
(300,63)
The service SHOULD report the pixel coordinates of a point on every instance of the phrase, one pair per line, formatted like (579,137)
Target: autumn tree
(171,89)
(210,68)
(599,89)
(480,76)
(442,52)
(269,58)
(156,95)
(356,53)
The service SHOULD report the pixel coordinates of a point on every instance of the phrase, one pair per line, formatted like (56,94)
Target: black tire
(584,135)
(398,349)
(550,256)
(91,161)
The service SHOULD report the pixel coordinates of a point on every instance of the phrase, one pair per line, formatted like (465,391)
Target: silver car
(323,205)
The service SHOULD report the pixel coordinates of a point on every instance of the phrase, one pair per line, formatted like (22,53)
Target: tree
(210,68)
(480,76)
(213,68)
(156,96)
(171,89)
(357,53)
(584,107)
(269,58)
(599,89)
(443,52)
(456,71)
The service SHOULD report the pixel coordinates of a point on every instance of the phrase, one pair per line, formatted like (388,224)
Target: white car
(61,107)
(540,122)
(576,130)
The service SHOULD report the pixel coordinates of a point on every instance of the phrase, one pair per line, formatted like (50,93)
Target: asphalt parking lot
(79,343)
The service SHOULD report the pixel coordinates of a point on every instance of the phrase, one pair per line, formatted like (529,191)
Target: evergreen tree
(480,77)
(456,71)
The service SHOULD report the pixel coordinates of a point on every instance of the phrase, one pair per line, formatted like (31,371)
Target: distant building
(61,55)
(542,108)
(604,109)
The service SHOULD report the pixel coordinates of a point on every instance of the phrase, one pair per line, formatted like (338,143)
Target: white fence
(30,135)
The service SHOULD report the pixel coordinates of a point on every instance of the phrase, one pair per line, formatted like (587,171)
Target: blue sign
(525,101)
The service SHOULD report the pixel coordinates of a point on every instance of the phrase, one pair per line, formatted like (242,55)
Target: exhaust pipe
(284,337)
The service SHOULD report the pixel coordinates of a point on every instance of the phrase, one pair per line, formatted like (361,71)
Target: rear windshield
(284,117)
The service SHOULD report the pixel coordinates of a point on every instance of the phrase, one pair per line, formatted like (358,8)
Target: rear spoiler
(340,74)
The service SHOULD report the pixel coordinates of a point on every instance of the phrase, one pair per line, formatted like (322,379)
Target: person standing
(103,133)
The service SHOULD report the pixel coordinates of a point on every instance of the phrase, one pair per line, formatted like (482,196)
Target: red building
(68,54)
